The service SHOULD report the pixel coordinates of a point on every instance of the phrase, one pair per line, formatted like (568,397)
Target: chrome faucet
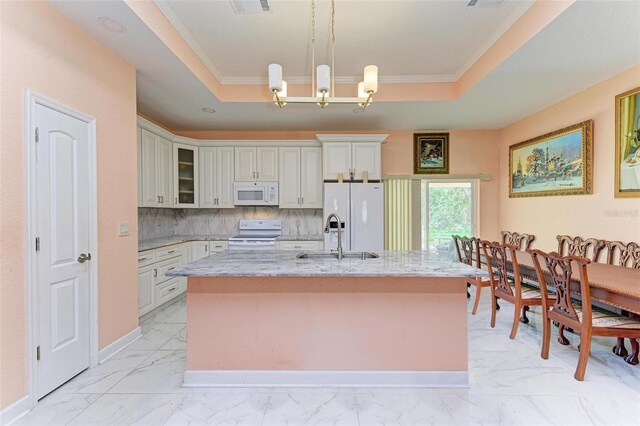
(326,231)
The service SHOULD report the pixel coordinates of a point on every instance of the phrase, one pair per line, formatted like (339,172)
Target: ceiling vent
(485,3)
(242,7)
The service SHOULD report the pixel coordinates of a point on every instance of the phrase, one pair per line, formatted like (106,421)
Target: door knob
(84,257)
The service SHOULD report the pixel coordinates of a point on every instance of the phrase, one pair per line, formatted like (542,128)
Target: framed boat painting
(431,153)
(627,166)
(557,163)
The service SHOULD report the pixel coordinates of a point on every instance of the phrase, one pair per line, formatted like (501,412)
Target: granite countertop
(284,263)
(154,243)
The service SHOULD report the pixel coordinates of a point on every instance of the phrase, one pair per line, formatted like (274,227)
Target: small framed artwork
(557,163)
(627,165)
(431,153)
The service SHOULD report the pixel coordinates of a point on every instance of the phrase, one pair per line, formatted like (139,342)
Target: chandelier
(323,80)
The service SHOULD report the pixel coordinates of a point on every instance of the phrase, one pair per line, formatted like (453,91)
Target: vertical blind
(397,205)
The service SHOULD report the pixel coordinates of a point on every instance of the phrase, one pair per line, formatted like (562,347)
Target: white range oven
(256,235)
(255,193)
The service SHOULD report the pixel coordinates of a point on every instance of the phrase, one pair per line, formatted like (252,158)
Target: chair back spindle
(521,241)
(589,248)
(497,261)
(468,250)
(559,270)
(621,254)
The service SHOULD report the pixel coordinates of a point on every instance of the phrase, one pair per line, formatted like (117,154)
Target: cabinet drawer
(146,258)
(299,245)
(166,266)
(168,290)
(169,252)
(218,245)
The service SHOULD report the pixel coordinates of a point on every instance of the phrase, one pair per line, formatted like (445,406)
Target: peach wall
(45,52)
(326,323)
(597,215)
(471,152)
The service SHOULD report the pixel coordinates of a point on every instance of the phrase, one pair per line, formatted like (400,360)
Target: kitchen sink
(333,255)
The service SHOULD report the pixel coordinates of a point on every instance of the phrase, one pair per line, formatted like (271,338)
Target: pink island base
(326,331)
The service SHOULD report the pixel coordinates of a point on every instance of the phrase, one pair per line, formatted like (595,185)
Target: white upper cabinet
(311,184)
(139,146)
(245,159)
(300,183)
(216,177)
(365,156)
(256,164)
(289,181)
(157,172)
(351,154)
(267,165)
(336,158)
(185,176)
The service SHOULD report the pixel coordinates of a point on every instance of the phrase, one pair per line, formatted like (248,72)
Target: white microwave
(255,193)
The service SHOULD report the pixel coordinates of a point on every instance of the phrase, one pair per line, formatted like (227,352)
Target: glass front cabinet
(185,172)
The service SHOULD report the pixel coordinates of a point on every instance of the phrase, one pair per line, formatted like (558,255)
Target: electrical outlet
(298,222)
(123,229)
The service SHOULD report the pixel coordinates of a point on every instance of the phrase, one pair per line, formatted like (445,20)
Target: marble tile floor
(510,385)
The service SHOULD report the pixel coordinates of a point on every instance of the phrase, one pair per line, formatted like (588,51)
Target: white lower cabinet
(169,289)
(146,289)
(154,287)
(202,249)
(300,245)
(199,249)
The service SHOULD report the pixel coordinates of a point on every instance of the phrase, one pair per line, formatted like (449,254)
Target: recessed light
(111,25)
(358,110)
(208,110)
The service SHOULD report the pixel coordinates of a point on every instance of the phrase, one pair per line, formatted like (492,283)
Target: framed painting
(558,163)
(627,166)
(431,153)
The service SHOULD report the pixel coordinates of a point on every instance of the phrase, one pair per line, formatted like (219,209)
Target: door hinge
(37,243)
(37,134)
(38,353)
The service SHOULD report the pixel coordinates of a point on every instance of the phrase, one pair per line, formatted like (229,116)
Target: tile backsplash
(156,223)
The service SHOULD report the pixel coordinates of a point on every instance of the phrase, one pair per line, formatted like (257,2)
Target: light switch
(123,229)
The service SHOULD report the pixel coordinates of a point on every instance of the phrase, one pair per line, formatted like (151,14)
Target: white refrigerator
(361,209)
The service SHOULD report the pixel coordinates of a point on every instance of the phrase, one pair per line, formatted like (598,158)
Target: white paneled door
(62,256)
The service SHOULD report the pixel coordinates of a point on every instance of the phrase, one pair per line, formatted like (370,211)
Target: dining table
(610,285)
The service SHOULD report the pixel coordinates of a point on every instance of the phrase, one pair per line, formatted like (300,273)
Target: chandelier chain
(333,47)
(313,47)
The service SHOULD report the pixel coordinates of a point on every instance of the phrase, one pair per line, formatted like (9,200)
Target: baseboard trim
(115,347)
(15,411)
(277,378)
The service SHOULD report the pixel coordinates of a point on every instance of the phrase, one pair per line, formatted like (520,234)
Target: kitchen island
(268,318)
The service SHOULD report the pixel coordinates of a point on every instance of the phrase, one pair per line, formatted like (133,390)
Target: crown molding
(495,35)
(179,26)
(352,137)
(500,30)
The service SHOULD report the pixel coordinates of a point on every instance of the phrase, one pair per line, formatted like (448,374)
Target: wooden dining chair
(521,241)
(588,322)
(468,250)
(503,286)
(628,256)
(589,248)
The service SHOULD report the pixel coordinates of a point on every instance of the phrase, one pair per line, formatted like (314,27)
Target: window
(448,208)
